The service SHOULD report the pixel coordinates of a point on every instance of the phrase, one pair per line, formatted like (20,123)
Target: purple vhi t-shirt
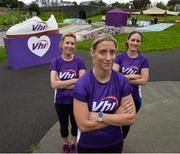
(66,70)
(132,66)
(102,97)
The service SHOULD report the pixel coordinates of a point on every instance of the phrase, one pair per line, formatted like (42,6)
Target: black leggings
(111,149)
(125,129)
(64,111)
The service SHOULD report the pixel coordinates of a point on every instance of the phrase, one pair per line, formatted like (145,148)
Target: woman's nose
(108,56)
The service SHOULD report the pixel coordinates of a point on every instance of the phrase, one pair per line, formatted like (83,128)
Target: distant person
(155,20)
(152,21)
(65,72)
(89,21)
(102,102)
(135,66)
(133,20)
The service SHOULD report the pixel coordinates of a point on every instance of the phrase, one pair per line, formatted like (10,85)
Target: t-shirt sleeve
(81,64)
(145,62)
(53,65)
(118,59)
(126,86)
(80,91)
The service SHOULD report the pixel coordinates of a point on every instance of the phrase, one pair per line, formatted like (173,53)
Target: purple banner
(30,51)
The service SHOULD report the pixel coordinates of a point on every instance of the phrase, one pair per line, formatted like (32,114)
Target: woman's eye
(102,52)
(113,52)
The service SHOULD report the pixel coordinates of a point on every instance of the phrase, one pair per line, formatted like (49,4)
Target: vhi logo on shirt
(130,70)
(39,46)
(109,103)
(68,74)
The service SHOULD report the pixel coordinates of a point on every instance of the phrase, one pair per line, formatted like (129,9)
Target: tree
(11,3)
(92,3)
(120,5)
(33,7)
(161,5)
(101,3)
(141,4)
(75,3)
(171,4)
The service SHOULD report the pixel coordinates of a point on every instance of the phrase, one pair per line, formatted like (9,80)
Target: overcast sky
(106,1)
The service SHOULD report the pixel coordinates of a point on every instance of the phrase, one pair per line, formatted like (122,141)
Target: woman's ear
(127,42)
(92,52)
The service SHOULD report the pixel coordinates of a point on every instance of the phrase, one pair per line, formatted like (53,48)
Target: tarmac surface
(156,128)
(28,116)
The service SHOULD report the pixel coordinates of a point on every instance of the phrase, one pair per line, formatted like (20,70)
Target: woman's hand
(126,107)
(93,116)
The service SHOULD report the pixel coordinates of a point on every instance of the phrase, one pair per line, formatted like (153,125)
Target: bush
(33,7)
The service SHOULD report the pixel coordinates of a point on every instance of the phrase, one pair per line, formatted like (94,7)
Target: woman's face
(104,55)
(68,45)
(134,42)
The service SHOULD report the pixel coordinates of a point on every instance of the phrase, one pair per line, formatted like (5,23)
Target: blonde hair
(103,37)
(70,34)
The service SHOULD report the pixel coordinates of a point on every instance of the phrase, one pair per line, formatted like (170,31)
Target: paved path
(2,35)
(27,111)
(156,130)
(26,107)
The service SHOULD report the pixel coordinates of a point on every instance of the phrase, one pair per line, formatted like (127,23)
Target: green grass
(97,18)
(166,18)
(61,16)
(18,16)
(58,15)
(9,17)
(32,148)
(152,41)
(2,54)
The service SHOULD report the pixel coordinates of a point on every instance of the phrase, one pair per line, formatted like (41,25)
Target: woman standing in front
(65,72)
(135,67)
(102,102)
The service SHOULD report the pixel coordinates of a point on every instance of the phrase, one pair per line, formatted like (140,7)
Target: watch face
(100,116)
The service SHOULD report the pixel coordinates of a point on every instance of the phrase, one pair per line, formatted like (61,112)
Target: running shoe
(65,148)
(73,148)
(33,26)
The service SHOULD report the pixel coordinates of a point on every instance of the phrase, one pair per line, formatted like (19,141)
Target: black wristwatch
(100,116)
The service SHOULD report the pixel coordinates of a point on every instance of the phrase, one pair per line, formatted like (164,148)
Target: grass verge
(32,148)
(152,41)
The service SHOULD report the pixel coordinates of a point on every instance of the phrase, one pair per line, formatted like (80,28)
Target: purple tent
(116,17)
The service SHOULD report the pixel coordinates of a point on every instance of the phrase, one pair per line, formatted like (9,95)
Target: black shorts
(117,148)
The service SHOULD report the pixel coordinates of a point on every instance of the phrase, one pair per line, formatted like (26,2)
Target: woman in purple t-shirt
(135,67)
(102,102)
(65,72)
